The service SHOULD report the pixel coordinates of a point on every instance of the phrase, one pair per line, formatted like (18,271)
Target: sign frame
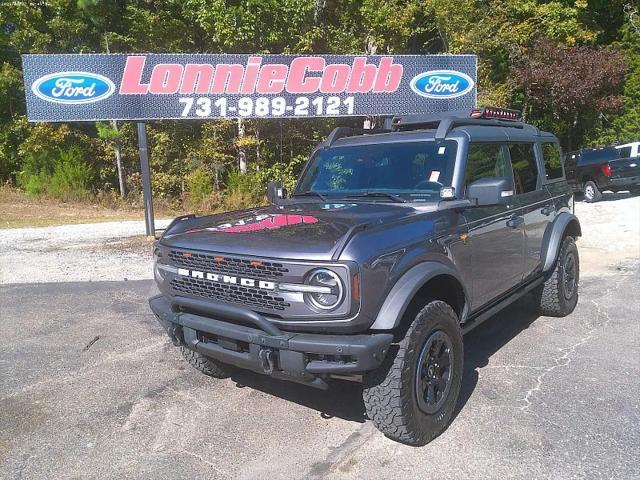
(142,87)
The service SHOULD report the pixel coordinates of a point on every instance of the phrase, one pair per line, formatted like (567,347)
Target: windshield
(414,171)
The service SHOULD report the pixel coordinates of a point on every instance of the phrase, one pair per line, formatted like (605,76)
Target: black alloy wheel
(570,274)
(434,373)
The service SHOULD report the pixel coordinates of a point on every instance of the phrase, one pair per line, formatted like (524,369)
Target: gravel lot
(91,388)
(83,252)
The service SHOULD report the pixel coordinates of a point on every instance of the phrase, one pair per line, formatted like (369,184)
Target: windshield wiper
(310,193)
(395,198)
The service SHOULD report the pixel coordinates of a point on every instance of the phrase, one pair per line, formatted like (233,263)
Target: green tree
(568,88)
(503,33)
(624,125)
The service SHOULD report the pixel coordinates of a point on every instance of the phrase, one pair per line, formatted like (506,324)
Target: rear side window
(525,170)
(552,164)
(598,155)
(625,152)
(485,160)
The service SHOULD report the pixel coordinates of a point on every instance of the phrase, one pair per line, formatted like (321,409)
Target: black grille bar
(227,265)
(253,297)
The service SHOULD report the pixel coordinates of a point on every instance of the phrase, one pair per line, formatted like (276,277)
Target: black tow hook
(268,360)
(175,332)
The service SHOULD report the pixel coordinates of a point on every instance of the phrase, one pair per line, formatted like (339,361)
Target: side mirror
(275,192)
(490,191)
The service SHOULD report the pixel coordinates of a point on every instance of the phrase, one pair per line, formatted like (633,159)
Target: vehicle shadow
(481,343)
(344,398)
(608,196)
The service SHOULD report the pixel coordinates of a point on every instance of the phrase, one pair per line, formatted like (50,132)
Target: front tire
(558,296)
(411,398)
(208,366)
(591,192)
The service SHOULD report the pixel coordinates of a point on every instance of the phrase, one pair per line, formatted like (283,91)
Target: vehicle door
(549,157)
(495,236)
(531,202)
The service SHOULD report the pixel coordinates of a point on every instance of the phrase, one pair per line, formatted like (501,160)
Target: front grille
(253,297)
(227,265)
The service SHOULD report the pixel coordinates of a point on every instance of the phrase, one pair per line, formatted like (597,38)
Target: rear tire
(591,192)
(412,396)
(206,365)
(559,294)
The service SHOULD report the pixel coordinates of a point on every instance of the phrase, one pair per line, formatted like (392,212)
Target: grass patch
(19,210)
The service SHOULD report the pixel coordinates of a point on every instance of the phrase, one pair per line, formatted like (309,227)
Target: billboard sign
(63,88)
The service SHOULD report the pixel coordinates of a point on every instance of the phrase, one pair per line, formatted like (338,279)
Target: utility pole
(370,49)
(242,156)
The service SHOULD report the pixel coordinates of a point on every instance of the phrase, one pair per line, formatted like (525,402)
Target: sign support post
(146,180)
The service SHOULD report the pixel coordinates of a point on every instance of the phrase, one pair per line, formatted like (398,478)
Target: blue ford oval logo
(442,84)
(73,87)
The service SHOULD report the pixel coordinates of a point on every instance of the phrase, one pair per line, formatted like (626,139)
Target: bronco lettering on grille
(228,279)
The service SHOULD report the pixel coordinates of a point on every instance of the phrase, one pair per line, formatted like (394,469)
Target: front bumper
(247,340)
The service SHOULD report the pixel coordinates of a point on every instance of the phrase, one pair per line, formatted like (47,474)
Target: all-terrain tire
(206,365)
(591,192)
(390,392)
(558,295)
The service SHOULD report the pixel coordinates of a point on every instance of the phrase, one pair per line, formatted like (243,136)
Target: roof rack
(444,122)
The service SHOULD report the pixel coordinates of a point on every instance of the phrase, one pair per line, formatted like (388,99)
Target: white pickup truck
(629,150)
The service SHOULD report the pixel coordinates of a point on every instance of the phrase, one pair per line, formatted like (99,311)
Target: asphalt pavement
(90,387)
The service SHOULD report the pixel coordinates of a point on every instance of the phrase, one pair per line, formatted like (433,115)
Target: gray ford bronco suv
(393,245)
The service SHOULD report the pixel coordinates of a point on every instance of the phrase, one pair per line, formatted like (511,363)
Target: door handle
(515,222)
(547,210)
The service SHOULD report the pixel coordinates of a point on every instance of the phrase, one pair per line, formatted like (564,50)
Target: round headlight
(329,289)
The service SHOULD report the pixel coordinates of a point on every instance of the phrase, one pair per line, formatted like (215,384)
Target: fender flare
(553,237)
(404,290)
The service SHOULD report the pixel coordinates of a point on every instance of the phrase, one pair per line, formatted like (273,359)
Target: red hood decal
(261,222)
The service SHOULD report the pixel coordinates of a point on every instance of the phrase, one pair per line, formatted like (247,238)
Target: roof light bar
(497,113)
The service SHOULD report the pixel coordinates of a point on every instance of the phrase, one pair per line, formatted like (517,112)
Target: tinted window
(485,160)
(570,159)
(412,169)
(525,171)
(552,164)
(625,152)
(601,155)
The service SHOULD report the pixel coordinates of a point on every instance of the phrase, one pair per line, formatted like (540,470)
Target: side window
(525,170)
(552,164)
(485,160)
(625,152)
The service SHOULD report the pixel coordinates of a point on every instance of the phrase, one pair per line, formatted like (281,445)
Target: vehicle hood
(302,231)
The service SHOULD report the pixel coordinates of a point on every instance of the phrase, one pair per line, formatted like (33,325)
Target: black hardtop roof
(437,126)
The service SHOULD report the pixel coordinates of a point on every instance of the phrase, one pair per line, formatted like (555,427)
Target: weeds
(62,174)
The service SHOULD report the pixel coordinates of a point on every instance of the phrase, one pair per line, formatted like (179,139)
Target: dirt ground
(19,210)
(610,232)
